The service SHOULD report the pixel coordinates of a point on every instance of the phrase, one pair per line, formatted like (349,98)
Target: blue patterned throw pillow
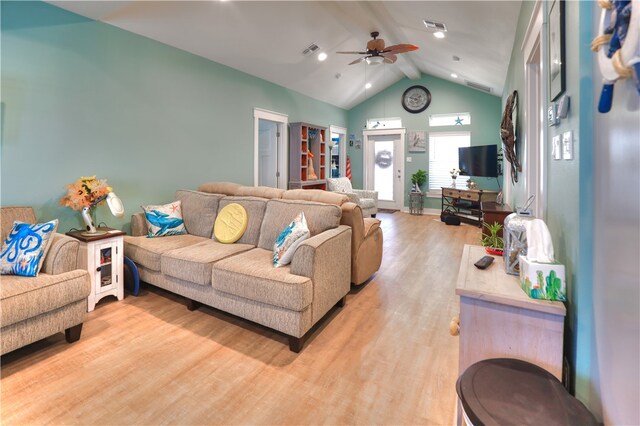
(289,240)
(164,220)
(25,248)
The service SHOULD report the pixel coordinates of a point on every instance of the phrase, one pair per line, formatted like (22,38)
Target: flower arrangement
(84,192)
(454,173)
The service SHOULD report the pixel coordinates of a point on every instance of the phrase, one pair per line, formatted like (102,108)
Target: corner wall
(446,98)
(81,97)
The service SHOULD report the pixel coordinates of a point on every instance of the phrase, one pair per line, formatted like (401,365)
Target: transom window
(454,119)
(443,157)
(384,123)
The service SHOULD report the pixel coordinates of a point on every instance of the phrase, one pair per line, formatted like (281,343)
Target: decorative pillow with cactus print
(164,220)
(289,240)
(25,248)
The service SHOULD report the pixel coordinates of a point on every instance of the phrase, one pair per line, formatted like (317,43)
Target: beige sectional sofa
(239,278)
(56,300)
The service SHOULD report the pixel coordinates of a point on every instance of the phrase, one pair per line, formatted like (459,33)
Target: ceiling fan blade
(389,58)
(354,53)
(400,48)
(357,61)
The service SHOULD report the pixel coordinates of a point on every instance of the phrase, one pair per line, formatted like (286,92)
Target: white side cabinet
(102,255)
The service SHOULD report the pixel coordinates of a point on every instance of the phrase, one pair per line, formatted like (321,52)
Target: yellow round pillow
(230,223)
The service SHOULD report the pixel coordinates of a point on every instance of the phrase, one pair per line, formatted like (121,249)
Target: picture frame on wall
(557,67)
(417,141)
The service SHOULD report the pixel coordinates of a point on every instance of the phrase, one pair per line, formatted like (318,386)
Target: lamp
(375,60)
(115,205)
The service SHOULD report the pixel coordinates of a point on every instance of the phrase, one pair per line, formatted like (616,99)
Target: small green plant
(419,178)
(492,239)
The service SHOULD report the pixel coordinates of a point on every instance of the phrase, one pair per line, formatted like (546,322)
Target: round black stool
(506,391)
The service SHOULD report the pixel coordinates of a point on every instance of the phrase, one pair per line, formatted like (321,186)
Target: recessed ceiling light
(454,75)
(322,56)
(438,34)
(367,86)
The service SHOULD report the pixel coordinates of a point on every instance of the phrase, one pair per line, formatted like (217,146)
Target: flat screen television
(478,161)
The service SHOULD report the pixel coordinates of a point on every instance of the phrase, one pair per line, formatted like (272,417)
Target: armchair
(56,300)
(367,200)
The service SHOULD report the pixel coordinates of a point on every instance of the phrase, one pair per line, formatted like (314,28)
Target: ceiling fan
(377,53)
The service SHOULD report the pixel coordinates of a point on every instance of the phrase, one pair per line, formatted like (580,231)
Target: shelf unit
(465,204)
(305,138)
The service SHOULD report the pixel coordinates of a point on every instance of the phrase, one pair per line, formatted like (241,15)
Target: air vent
(434,26)
(478,86)
(311,49)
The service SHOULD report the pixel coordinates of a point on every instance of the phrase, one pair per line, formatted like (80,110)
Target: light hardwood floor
(385,358)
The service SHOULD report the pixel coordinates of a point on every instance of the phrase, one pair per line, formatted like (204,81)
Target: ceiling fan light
(374,60)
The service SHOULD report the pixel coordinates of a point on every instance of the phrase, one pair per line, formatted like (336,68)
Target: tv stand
(465,204)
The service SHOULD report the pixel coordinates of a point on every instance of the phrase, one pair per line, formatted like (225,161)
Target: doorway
(384,166)
(338,151)
(270,149)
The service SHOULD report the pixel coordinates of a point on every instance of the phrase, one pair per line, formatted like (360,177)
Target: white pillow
(289,240)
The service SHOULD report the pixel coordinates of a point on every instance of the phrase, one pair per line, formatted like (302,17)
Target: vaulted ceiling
(266,39)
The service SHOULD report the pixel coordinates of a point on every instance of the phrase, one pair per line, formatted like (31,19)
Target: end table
(102,255)
(416,201)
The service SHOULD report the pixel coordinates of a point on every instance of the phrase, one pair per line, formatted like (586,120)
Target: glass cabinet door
(105,270)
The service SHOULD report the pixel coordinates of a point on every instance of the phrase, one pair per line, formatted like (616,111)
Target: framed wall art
(556,50)
(417,141)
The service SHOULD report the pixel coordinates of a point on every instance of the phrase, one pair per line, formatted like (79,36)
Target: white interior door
(384,166)
(270,151)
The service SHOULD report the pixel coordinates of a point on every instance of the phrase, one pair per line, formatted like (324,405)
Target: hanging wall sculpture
(617,46)
(508,134)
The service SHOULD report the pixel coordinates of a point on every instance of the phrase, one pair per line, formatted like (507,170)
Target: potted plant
(418,179)
(492,242)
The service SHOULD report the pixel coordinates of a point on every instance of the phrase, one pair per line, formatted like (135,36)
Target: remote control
(484,262)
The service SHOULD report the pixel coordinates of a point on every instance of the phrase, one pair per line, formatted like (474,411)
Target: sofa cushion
(255,208)
(25,248)
(251,275)
(260,191)
(316,195)
(147,251)
(193,263)
(280,213)
(165,220)
(9,215)
(225,188)
(199,211)
(23,297)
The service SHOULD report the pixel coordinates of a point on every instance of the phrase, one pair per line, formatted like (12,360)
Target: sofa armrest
(139,225)
(326,259)
(62,255)
(364,193)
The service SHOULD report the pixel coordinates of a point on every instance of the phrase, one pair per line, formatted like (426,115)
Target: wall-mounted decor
(508,134)
(556,50)
(417,141)
(416,99)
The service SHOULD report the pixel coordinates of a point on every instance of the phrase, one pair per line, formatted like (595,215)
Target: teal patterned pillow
(26,246)
(164,220)
(289,240)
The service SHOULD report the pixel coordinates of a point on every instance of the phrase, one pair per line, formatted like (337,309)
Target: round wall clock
(416,99)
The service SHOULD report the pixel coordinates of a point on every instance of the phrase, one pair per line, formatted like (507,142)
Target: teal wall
(446,97)
(81,97)
(573,193)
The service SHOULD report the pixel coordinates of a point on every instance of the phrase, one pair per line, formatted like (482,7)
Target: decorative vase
(453,184)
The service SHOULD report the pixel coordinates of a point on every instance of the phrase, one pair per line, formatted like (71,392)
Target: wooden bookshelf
(305,138)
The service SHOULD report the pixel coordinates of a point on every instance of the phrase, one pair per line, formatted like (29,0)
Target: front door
(384,166)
